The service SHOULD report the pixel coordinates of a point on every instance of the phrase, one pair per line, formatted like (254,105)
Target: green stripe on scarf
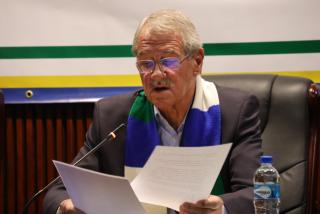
(218,188)
(142,109)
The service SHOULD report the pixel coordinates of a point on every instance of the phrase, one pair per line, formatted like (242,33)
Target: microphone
(111,136)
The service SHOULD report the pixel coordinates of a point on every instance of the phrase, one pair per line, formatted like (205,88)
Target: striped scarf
(202,126)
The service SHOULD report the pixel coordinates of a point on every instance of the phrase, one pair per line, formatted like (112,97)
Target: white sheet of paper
(174,175)
(98,193)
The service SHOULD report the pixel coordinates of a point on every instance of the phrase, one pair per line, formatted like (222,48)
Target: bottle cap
(266,159)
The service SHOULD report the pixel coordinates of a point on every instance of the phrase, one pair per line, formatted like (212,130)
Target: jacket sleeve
(243,158)
(108,114)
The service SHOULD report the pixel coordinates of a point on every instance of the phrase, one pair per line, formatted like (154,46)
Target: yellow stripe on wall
(70,81)
(313,75)
(107,80)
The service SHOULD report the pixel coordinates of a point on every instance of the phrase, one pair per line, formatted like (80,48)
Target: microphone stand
(111,136)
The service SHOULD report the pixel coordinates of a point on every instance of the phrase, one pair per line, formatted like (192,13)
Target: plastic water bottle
(266,188)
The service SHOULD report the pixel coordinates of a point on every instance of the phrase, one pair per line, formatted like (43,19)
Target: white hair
(168,22)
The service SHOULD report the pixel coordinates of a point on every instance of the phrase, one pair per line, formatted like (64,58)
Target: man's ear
(199,60)
(199,55)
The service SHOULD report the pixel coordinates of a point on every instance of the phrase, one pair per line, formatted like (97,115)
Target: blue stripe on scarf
(142,138)
(202,128)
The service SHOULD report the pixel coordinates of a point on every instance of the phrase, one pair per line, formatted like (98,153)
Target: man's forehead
(152,37)
(166,45)
(151,51)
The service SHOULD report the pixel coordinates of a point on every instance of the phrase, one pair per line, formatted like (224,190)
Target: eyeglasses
(168,63)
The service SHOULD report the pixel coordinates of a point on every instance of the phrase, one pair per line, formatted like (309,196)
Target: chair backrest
(285,123)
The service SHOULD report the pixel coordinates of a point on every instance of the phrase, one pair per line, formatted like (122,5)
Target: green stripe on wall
(285,47)
(65,52)
(248,48)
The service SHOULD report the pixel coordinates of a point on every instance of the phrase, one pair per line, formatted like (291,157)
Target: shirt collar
(162,121)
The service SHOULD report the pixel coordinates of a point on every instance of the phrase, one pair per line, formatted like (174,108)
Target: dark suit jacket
(240,125)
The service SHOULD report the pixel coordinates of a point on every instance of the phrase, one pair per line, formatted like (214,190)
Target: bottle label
(266,191)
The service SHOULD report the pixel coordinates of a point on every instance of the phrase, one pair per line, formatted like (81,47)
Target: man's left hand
(212,205)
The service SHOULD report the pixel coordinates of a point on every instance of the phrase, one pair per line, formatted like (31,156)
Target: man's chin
(160,101)
(160,94)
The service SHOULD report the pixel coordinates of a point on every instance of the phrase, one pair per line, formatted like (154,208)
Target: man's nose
(157,70)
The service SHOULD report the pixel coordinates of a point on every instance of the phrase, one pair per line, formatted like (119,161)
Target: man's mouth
(160,89)
(160,86)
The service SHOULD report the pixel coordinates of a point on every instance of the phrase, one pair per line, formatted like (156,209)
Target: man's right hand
(67,207)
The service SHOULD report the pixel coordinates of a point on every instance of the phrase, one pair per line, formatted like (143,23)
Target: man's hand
(211,205)
(67,207)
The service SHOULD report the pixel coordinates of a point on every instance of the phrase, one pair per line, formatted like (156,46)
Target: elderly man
(177,108)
